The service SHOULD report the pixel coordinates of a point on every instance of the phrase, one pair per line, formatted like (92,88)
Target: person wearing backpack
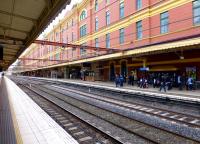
(190,83)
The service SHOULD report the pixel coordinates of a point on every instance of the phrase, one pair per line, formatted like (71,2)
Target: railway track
(81,130)
(157,126)
(188,120)
(136,138)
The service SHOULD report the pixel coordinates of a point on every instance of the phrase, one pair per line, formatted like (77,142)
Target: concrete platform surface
(34,124)
(7,132)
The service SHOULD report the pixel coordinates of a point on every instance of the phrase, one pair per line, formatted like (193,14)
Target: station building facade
(151,36)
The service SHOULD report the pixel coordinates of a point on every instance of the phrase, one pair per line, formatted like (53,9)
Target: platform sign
(144,69)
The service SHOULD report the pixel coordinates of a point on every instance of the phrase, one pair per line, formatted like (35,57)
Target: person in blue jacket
(121,79)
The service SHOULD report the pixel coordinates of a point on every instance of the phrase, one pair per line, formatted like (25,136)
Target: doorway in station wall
(112,72)
(124,69)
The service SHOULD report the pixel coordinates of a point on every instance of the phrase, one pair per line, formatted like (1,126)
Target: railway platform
(23,121)
(7,133)
(104,102)
(174,94)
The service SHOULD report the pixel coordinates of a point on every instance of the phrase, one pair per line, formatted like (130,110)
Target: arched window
(83,15)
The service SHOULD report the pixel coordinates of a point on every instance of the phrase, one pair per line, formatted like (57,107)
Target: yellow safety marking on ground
(14,119)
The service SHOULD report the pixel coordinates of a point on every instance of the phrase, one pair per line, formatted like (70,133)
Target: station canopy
(21,22)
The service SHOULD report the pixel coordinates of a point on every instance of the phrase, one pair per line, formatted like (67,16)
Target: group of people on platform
(163,83)
(119,80)
(188,82)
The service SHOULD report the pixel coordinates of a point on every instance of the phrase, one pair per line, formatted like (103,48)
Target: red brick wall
(151,29)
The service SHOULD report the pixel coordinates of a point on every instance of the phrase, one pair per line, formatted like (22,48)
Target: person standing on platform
(81,75)
(124,78)
(117,80)
(138,82)
(163,84)
(121,79)
(179,82)
(141,82)
(145,83)
(190,83)
(129,79)
(132,80)
(154,82)
(70,76)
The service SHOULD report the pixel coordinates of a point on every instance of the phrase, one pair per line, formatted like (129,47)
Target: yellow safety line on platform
(14,119)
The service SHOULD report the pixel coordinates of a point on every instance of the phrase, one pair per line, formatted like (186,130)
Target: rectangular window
(121,9)
(164,22)
(72,22)
(73,52)
(107,1)
(138,4)
(139,29)
(121,36)
(72,36)
(62,33)
(57,56)
(83,30)
(108,40)
(83,50)
(196,12)
(96,24)
(96,42)
(57,36)
(67,39)
(64,39)
(96,5)
(107,17)
(50,50)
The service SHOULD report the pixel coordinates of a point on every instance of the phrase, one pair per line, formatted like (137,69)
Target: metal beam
(11,38)
(9,47)
(12,46)
(31,66)
(7,50)
(43,42)
(42,59)
(8,55)
(9,28)
(19,16)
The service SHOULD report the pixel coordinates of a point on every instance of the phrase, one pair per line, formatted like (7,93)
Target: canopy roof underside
(21,21)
